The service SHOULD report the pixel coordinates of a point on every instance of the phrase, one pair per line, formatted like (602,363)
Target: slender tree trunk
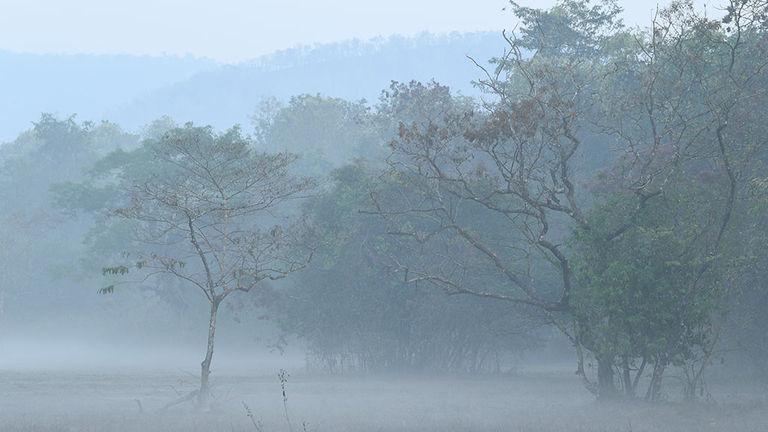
(654,388)
(606,387)
(205,366)
(638,375)
(629,390)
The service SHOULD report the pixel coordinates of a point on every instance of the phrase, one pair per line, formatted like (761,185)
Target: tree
(202,207)
(747,330)
(42,243)
(328,132)
(356,311)
(632,299)
(682,111)
(572,85)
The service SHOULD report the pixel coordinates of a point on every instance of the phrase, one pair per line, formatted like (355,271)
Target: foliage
(357,310)
(670,108)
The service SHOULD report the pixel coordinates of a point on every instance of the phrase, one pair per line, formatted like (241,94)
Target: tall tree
(574,86)
(203,208)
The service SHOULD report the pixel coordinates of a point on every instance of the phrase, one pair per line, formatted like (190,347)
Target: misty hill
(352,70)
(87,85)
(133,91)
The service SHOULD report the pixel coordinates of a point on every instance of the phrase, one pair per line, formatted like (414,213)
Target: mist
(480,216)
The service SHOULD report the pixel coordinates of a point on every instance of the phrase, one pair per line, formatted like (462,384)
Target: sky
(231,31)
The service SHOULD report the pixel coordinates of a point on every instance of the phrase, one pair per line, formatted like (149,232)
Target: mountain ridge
(134,90)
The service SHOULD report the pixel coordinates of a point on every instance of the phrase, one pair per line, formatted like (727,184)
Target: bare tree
(203,211)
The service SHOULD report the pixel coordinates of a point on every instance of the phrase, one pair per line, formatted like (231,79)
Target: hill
(352,70)
(88,85)
(133,90)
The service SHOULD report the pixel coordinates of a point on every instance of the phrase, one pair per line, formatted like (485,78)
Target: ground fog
(532,399)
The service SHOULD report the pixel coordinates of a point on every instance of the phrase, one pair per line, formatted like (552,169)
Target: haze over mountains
(85,85)
(133,90)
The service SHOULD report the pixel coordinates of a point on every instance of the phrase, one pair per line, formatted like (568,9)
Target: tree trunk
(654,388)
(629,390)
(205,366)
(606,387)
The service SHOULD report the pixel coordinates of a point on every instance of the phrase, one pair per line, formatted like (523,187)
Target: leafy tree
(356,310)
(633,298)
(572,83)
(42,245)
(327,132)
(747,327)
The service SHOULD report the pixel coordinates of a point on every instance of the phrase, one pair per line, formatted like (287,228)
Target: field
(530,400)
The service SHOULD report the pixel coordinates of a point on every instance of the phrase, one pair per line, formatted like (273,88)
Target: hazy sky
(235,30)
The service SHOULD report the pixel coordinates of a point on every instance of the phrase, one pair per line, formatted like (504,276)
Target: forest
(576,243)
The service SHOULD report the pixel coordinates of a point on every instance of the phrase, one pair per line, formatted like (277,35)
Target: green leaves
(115,271)
(107,289)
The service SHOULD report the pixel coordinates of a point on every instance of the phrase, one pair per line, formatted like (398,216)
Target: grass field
(542,400)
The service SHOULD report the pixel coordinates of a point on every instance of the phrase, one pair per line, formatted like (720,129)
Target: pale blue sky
(236,30)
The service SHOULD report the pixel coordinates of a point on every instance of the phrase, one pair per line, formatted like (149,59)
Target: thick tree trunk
(205,366)
(606,387)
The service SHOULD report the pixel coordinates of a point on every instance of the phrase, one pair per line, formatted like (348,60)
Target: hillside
(136,90)
(88,85)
